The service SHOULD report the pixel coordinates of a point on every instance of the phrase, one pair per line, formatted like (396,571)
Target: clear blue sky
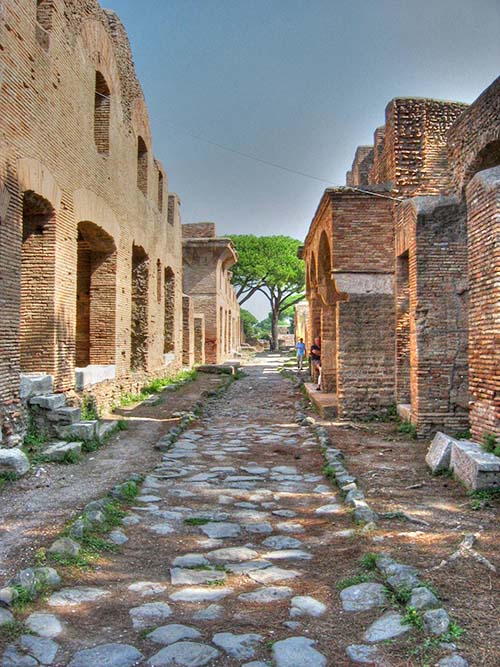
(297,82)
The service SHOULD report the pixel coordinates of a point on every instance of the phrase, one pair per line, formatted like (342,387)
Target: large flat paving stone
(282,542)
(267,594)
(149,615)
(184,654)
(44,625)
(238,646)
(297,651)
(169,634)
(388,626)
(200,594)
(181,576)
(221,530)
(231,555)
(305,605)
(74,596)
(362,597)
(107,655)
(363,654)
(271,574)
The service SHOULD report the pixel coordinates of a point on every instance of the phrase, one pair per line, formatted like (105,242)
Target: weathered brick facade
(390,303)
(207,281)
(90,239)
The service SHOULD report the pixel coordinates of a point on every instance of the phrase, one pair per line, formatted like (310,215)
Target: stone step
(56,451)
(105,428)
(65,415)
(49,401)
(84,430)
(35,384)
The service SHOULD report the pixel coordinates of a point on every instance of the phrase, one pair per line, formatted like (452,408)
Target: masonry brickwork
(90,237)
(392,294)
(207,280)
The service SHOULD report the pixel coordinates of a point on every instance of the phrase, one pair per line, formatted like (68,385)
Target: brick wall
(483,205)
(79,152)
(199,230)
(362,166)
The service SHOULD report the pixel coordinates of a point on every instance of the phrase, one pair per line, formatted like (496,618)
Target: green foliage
(412,617)
(463,435)
(89,408)
(329,472)
(352,581)
(483,498)
(269,264)
(129,491)
(196,521)
(407,428)
(399,597)
(489,442)
(390,414)
(369,561)
(40,557)
(455,632)
(12,630)
(216,582)
(156,386)
(34,443)
(122,425)
(6,477)
(249,323)
(92,445)
(70,458)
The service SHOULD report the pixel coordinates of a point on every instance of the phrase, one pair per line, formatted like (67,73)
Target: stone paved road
(220,565)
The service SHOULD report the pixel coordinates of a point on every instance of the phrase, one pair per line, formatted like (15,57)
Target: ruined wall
(362,166)
(80,152)
(483,206)
(207,280)
(432,232)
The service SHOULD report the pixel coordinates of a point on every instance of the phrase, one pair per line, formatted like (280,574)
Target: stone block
(57,451)
(105,428)
(49,401)
(475,468)
(93,374)
(64,415)
(217,369)
(14,461)
(439,454)
(35,384)
(85,430)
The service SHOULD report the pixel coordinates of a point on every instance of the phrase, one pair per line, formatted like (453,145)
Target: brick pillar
(199,339)
(483,224)
(314,324)
(328,348)
(403,329)
(187,331)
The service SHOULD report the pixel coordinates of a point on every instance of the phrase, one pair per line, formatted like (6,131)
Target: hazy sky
(298,82)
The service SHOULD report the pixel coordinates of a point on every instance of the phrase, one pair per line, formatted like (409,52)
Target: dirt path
(37,506)
(236,550)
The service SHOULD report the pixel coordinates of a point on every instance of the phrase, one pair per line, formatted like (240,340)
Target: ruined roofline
(435,100)
(363,191)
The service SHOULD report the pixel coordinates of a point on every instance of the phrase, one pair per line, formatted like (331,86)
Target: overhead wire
(276,165)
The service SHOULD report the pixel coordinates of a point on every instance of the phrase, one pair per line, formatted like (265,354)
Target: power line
(249,156)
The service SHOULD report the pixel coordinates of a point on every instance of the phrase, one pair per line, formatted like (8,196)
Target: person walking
(301,351)
(315,361)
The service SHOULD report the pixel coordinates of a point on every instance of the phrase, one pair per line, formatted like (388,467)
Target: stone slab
(475,468)
(438,456)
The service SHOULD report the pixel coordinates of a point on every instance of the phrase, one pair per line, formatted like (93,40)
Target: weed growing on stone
(70,458)
(463,435)
(25,596)
(489,442)
(129,491)
(34,443)
(13,630)
(40,557)
(216,582)
(6,477)
(83,561)
(397,598)
(413,618)
(96,544)
(122,425)
(369,561)
(390,414)
(89,408)
(196,521)
(352,581)
(329,472)
(407,428)
(483,498)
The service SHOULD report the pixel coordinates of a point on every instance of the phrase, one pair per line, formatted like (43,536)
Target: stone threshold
(325,403)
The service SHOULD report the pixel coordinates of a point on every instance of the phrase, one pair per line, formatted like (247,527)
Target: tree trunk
(274,329)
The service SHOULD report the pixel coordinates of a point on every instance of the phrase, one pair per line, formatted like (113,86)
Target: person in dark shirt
(315,361)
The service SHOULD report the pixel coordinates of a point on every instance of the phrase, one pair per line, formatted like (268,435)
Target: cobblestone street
(219,557)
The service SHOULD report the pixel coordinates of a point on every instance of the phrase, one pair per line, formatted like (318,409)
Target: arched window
(44,11)
(142,166)
(102,106)
(160,191)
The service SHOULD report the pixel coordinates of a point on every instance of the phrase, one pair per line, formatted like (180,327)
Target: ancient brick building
(90,237)
(387,274)
(474,154)
(207,282)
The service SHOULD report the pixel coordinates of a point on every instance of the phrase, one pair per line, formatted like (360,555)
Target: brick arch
(99,49)
(34,176)
(486,157)
(312,273)
(326,284)
(140,122)
(89,206)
